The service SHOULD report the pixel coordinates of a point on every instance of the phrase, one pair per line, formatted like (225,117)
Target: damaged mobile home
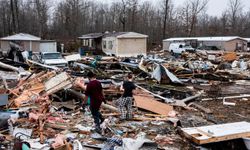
(226,43)
(120,44)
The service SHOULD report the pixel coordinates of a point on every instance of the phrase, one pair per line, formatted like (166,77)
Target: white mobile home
(28,42)
(121,44)
(248,43)
(227,43)
(125,44)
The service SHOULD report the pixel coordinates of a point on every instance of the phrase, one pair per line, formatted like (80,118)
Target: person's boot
(98,130)
(102,120)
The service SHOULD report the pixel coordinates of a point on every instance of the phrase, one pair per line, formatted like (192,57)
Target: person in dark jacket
(95,93)
(126,101)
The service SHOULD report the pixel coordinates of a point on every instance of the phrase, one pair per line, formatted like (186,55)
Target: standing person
(126,101)
(95,93)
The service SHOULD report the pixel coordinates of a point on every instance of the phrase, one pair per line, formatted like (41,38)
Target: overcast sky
(215,7)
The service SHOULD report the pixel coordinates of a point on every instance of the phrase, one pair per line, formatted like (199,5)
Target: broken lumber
(182,102)
(167,100)
(42,65)
(112,108)
(149,119)
(227,97)
(6,66)
(41,123)
(19,70)
(150,104)
(56,80)
(111,114)
(155,115)
(206,110)
(59,82)
(217,133)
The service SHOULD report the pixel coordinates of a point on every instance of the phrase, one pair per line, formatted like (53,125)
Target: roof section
(21,37)
(91,36)
(126,35)
(113,34)
(132,35)
(248,39)
(215,38)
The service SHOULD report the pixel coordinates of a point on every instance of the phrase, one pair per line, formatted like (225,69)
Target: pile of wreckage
(41,106)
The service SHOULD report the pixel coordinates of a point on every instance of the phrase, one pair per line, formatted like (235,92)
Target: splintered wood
(149,103)
(217,133)
(57,83)
(29,90)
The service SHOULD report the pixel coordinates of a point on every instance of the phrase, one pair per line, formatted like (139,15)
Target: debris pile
(196,96)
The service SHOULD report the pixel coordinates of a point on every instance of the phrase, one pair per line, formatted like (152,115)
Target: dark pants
(98,119)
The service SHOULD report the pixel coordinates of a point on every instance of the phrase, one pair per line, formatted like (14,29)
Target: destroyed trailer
(180,103)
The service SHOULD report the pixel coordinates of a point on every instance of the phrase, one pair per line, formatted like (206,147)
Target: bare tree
(234,11)
(190,11)
(42,14)
(123,15)
(14,15)
(132,7)
(196,7)
(71,18)
(166,14)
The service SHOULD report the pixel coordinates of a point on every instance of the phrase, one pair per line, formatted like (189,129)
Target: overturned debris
(49,104)
(217,133)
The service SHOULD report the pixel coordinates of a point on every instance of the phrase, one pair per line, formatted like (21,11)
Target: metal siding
(48,47)
(231,45)
(107,50)
(166,45)
(132,47)
(5,46)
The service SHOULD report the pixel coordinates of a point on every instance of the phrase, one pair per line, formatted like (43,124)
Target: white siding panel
(48,47)
(132,47)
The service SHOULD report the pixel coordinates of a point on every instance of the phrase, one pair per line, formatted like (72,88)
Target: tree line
(68,19)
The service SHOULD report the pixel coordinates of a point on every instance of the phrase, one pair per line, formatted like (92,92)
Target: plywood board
(63,85)
(150,104)
(217,133)
(56,81)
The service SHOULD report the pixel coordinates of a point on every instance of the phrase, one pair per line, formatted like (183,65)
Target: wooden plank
(148,119)
(206,110)
(217,133)
(150,104)
(42,65)
(60,86)
(56,81)
(156,95)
